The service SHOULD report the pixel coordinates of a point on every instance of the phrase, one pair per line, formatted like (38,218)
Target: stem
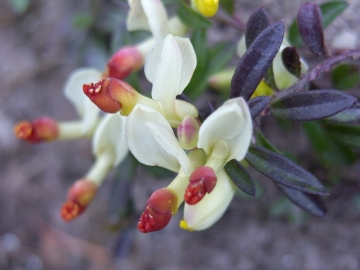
(101,168)
(73,130)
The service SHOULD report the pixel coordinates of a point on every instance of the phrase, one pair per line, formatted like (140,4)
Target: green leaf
(20,6)
(228,5)
(170,2)
(346,134)
(191,18)
(329,11)
(210,61)
(282,170)
(262,141)
(83,21)
(330,152)
(240,177)
(345,76)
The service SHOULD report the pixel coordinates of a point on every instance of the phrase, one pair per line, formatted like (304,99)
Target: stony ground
(37,53)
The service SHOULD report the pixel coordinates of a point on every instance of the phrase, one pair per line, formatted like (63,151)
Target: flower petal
(136,19)
(157,18)
(152,141)
(232,123)
(206,212)
(110,136)
(167,76)
(74,93)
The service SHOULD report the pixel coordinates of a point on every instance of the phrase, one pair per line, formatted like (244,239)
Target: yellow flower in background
(208,8)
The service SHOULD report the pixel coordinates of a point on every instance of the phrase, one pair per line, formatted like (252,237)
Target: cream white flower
(224,135)
(86,109)
(283,78)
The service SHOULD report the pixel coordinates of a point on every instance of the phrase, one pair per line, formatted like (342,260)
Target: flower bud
(222,80)
(159,209)
(188,132)
(207,8)
(80,195)
(112,95)
(202,181)
(39,130)
(125,61)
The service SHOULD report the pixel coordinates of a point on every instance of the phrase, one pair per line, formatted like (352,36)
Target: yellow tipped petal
(183,225)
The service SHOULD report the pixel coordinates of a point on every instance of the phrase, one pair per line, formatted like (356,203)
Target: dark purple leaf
(282,170)
(257,23)
(257,105)
(209,109)
(291,61)
(311,105)
(308,202)
(309,23)
(240,177)
(256,61)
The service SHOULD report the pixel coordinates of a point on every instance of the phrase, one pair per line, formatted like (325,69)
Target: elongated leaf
(311,105)
(329,11)
(308,202)
(291,60)
(346,134)
(282,170)
(240,177)
(309,23)
(228,5)
(345,76)
(257,23)
(347,116)
(257,105)
(220,55)
(329,151)
(191,18)
(256,61)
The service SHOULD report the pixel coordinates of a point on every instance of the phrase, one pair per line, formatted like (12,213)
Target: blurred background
(41,42)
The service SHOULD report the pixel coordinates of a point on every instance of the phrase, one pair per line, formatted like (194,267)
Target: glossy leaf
(345,76)
(283,171)
(191,18)
(257,105)
(257,23)
(329,11)
(330,152)
(256,61)
(291,61)
(346,134)
(307,202)
(240,177)
(309,23)
(311,105)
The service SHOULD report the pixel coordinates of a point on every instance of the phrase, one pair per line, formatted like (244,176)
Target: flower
(283,78)
(224,135)
(48,129)
(109,148)
(208,8)
(169,68)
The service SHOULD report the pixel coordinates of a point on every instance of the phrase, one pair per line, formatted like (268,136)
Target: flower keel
(39,130)
(202,180)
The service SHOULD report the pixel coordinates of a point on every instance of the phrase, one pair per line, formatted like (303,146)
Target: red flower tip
(124,61)
(80,195)
(202,181)
(39,130)
(159,209)
(99,94)
(70,210)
